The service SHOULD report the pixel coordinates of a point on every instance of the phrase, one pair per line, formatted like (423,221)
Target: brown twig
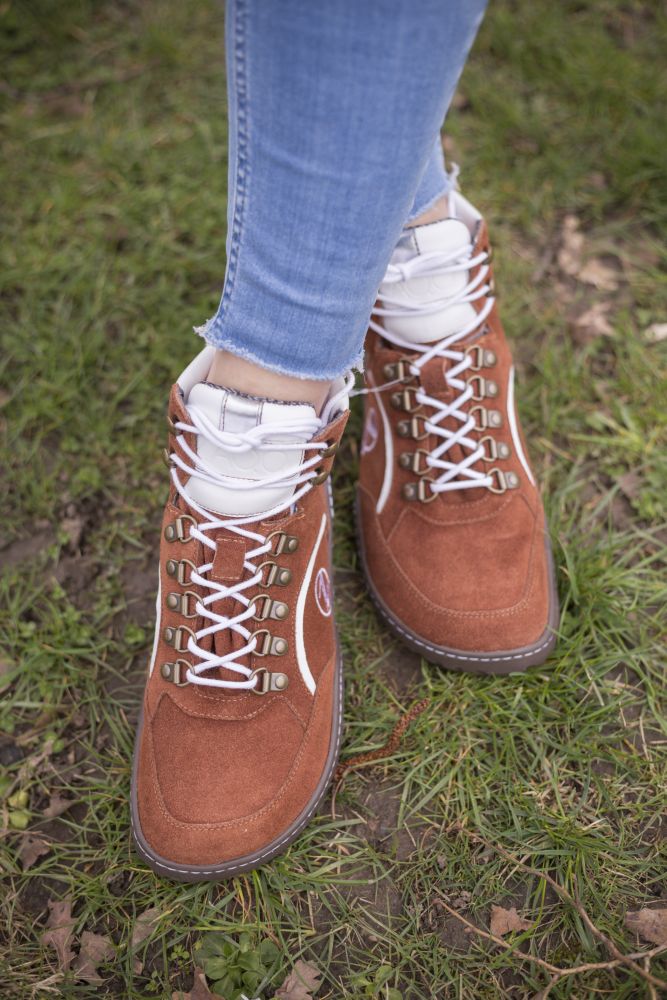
(619,958)
(555,970)
(389,747)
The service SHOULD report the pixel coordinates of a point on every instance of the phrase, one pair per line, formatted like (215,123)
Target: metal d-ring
(174,672)
(286,543)
(179,602)
(269,681)
(175,532)
(174,636)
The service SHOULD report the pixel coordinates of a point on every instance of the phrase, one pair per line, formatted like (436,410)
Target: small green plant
(376,986)
(234,968)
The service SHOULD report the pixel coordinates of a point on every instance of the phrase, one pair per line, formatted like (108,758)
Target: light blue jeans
(335,110)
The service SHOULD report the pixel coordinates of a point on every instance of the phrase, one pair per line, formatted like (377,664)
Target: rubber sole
(501,661)
(228,869)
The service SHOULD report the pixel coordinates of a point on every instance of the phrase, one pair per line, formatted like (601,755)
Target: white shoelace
(450,475)
(257,437)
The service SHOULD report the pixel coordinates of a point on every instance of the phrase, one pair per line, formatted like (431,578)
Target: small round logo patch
(371,432)
(323,592)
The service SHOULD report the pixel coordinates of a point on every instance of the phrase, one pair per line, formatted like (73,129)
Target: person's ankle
(436,213)
(241,375)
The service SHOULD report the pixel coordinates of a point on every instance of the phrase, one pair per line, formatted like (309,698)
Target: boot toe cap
(478,587)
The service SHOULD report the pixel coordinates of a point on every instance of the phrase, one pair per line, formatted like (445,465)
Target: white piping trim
(158,615)
(388,450)
(301,657)
(511,416)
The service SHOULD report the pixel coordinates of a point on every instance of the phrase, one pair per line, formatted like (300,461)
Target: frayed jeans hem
(428,204)
(215,336)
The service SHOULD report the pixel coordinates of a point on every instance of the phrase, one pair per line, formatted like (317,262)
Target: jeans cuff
(429,194)
(214,334)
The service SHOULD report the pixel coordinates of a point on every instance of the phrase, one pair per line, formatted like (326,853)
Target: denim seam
(242,166)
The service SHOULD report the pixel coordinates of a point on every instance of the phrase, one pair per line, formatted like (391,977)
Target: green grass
(113,219)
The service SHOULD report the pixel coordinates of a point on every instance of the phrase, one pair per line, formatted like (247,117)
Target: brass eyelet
(496,449)
(398,371)
(261,604)
(266,607)
(175,531)
(269,681)
(278,575)
(176,568)
(174,637)
(264,649)
(410,460)
(484,358)
(483,417)
(487,418)
(166,458)
(271,645)
(286,543)
(331,449)
(320,477)
(172,420)
(487,387)
(410,429)
(179,602)
(419,491)
(506,480)
(176,672)
(401,400)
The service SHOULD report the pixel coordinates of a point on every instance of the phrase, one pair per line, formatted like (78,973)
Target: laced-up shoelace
(259,437)
(451,475)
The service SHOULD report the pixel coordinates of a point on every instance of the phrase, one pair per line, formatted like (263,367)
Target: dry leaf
(95,950)
(649,924)
(594,322)
(59,931)
(572,244)
(504,921)
(31,849)
(57,806)
(199,991)
(302,982)
(596,273)
(73,529)
(630,484)
(656,332)
(6,666)
(143,926)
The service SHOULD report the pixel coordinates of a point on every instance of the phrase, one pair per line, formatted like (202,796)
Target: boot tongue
(449,236)
(234,412)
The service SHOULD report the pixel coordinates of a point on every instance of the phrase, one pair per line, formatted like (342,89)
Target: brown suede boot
(242,712)
(451,525)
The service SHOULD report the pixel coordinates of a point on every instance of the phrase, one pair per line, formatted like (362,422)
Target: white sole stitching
(454,654)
